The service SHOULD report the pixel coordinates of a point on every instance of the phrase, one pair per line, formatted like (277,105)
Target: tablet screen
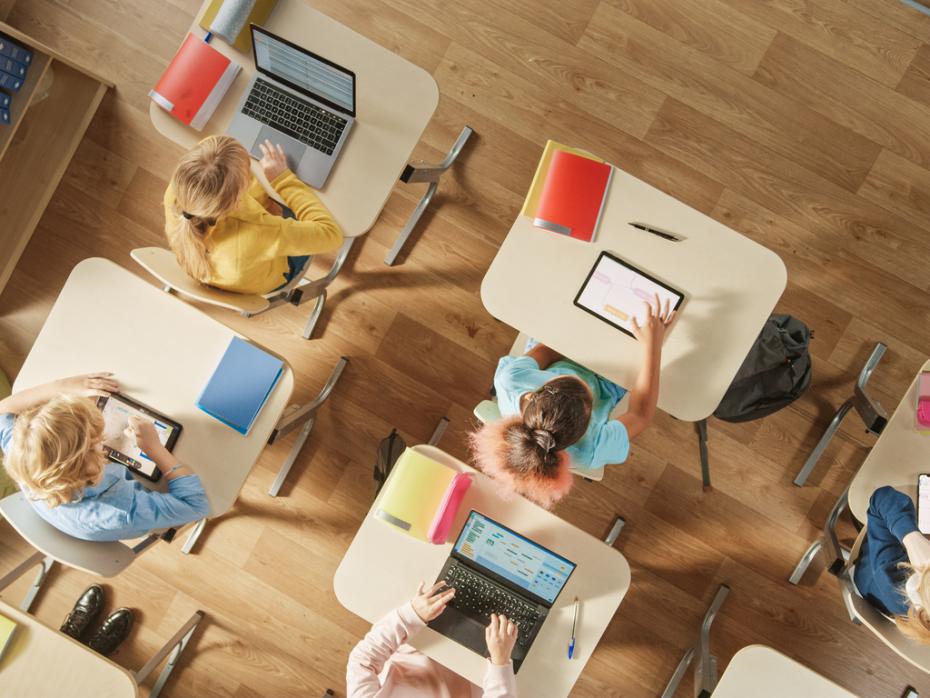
(121,447)
(614,291)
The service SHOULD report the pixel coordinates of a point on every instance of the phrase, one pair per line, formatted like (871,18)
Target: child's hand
(273,161)
(658,318)
(429,603)
(89,385)
(146,438)
(501,636)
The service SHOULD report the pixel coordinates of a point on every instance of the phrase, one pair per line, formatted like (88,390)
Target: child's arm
(544,356)
(645,391)
(89,384)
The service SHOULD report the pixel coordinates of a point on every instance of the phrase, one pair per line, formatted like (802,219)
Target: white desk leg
(425,173)
(193,536)
(175,646)
(293,419)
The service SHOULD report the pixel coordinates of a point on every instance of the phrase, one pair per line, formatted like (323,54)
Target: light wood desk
(163,352)
(899,455)
(399,563)
(43,662)
(731,285)
(761,672)
(395,101)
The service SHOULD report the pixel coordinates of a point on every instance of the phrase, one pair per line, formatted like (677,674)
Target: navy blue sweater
(878,577)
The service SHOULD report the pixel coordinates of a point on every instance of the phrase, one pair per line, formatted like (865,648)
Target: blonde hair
(207,184)
(916,624)
(53,453)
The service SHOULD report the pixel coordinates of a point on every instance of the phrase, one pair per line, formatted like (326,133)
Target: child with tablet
(52,440)
(557,415)
(225,230)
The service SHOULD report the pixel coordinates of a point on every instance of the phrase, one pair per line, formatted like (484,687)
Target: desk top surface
(899,455)
(163,351)
(730,283)
(761,672)
(395,101)
(400,562)
(78,670)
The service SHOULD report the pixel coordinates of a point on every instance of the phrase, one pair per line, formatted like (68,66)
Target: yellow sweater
(249,247)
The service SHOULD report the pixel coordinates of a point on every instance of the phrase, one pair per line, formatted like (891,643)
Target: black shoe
(84,613)
(112,632)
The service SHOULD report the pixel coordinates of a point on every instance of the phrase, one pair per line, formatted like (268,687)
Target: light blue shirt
(119,507)
(605,441)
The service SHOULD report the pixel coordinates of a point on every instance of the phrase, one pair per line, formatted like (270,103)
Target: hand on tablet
(658,317)
(146,438)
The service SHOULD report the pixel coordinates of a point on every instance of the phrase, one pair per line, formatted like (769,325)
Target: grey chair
(870,411)
(101,559)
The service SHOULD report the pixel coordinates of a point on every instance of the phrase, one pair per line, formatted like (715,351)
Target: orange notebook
(573,197)
(195,81)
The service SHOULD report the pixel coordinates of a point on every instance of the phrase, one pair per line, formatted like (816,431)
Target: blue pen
(571,645)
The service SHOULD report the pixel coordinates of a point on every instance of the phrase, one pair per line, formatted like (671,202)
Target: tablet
(615,290)
(121,448)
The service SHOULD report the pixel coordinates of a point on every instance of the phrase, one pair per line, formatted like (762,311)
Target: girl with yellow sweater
(228,233)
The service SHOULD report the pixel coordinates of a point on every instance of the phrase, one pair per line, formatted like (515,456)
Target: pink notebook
(448,508)
(923,401)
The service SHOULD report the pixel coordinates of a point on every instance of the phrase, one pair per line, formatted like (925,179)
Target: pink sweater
(382,666)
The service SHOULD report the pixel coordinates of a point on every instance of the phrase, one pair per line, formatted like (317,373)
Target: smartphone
(923,503)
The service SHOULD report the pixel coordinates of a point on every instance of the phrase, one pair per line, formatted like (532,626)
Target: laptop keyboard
(304,121)
(479,598)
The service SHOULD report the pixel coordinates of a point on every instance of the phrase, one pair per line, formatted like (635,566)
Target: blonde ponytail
(207,184)
(916,624)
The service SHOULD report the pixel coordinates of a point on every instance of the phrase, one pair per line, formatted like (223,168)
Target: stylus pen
(661,233)
(571,645)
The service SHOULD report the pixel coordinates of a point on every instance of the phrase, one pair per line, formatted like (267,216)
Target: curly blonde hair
(916,624)
(53,453)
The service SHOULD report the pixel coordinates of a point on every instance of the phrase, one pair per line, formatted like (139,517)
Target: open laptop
(496,570)
(299,100)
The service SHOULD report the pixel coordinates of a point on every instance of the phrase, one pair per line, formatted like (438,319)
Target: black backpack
(774,374)
(389,451)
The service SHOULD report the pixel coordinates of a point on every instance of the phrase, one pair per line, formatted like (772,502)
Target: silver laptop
(299,100)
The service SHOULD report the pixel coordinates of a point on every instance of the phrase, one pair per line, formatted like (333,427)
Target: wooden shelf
(36,148)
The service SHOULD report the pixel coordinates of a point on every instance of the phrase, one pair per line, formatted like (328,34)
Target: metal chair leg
(175,647)
(671,687)
(193,536)
(702,446)
(45,564)
(439,431)
(705,671)
(805,561)
(822,444)
(425,173)
(615,530)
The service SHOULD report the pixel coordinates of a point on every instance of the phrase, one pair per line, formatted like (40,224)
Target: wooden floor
(804,124)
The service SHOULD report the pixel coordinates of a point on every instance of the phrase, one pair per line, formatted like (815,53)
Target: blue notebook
(240,385)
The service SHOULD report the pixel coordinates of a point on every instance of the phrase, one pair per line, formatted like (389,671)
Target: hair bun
(544,439)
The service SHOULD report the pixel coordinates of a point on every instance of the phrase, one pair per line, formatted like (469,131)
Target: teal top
(605,441)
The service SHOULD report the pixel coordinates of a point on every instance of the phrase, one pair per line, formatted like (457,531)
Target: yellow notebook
(413,494)
(258,16)
(7,628)
(542,169)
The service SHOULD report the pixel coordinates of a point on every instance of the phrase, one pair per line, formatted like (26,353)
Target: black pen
(660,233)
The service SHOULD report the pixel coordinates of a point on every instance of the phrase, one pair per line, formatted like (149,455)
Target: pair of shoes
(111,632)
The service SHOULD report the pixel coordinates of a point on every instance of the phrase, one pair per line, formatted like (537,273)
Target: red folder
(573,196)
(194,82)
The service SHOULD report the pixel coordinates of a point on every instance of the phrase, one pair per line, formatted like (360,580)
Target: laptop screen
(304,71)
(517,559)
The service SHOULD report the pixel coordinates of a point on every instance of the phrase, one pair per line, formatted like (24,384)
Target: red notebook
(195,81)
(573,196)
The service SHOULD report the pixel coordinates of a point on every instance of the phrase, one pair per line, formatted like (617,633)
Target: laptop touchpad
(293,148)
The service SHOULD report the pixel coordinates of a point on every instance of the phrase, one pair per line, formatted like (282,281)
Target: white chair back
(103,559)
(163,265)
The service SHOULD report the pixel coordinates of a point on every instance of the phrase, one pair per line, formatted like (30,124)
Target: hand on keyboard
(429,603)
(501,635)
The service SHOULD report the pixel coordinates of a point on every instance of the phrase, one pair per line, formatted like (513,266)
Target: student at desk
(227,232)
(52,437)
(557,415)
(893,568)
(383,666)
